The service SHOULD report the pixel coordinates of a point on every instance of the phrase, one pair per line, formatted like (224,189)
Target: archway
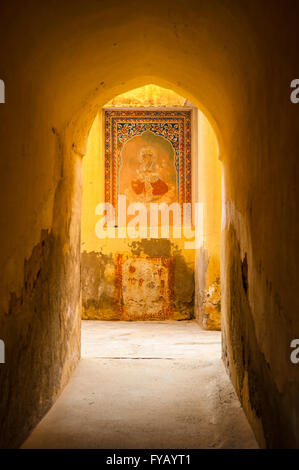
(136,288)
(201,253)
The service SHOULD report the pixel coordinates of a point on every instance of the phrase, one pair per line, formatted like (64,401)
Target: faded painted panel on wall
(145,287)
(154,166)
(147,170)
(101,278)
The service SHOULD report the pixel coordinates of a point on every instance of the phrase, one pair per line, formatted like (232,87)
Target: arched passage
(223,58)
(99,255)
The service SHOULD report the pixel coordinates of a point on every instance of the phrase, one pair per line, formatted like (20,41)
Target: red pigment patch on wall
(144,287)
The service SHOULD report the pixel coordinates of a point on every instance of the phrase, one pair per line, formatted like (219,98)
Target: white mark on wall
(295,353)
(2,92)
(295,93)
(2,352)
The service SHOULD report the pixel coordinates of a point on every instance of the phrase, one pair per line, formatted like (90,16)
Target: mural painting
(148,160)
(148,155)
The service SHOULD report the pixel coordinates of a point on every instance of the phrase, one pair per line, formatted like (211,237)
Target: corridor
(150,184)
(146,385)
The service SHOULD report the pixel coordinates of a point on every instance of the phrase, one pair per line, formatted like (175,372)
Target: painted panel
(145,287)
(148,155)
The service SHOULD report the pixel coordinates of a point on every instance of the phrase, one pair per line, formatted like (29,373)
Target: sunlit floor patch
(176,395)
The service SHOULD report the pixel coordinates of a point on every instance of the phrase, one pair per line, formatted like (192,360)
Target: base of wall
(153,280)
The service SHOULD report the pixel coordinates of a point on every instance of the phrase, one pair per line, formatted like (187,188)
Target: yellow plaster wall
(148,95)
(93,185)
(208,294)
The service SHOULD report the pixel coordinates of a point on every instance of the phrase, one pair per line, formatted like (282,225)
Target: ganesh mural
(147,171)
(148,155)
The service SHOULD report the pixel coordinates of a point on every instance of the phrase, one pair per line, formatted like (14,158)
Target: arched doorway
(187,165)
(144,344)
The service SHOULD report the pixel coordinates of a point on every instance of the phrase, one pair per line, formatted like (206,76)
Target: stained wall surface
(233,60)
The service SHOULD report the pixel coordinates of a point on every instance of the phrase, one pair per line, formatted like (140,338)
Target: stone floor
(146,385)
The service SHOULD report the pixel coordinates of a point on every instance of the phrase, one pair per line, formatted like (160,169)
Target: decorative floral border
(173,125)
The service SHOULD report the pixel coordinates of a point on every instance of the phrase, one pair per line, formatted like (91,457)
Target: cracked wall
(40,323)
